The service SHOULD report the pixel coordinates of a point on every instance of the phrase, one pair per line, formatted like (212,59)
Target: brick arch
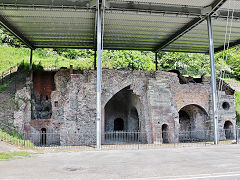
(225,120)
(187,95)
(199,106)
(114,91)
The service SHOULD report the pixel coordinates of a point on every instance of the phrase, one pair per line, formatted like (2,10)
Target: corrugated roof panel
(198,37)
(139,29)
(232,4)
(45,23)
(61,23)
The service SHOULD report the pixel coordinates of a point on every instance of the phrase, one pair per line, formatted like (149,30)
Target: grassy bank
(15,155)
(15,139)
(10,56)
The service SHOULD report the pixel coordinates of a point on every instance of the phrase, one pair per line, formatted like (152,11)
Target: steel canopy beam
(15,32)
(196,21)
(152,7)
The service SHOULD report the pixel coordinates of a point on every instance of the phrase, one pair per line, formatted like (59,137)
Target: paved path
(5,147)
(210,162)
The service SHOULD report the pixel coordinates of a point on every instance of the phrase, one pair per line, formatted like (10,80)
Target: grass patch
(11,56)
(5,86)
(15,139)
(15,155)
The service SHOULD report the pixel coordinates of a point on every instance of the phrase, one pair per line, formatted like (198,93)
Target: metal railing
(117,139)
(123,137)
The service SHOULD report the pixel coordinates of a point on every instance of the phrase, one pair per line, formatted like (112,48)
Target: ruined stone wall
(43,83)
(80,102)
(157,98)
(226,113)
(161,107)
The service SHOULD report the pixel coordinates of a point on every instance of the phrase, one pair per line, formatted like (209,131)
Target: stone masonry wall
(157,98)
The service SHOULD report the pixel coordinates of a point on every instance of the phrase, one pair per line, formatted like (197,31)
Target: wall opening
(225,106)
(43,136)
(165,133)
(228,129)
(43,85)
(122,123)
(56,104)
(118,124)
(122,106)
(193,124)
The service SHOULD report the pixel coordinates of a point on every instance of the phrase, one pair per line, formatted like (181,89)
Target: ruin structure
(60,108)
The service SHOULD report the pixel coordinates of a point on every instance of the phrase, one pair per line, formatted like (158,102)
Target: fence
(116,139)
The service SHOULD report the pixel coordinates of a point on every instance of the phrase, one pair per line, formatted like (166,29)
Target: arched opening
(118,124)
(122,106)
(43,136)
(165,133)
(192,121)
(122,118)
(228,129)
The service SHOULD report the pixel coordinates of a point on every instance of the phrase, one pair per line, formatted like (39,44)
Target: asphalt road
(210,162)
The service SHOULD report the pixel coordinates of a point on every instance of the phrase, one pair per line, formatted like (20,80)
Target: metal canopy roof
(168,25)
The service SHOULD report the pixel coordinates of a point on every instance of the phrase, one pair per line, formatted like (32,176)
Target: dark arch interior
(43,136)
(165,133)
(121,113)
(228,129)
(122,122)
(193,124)
(184,121)
(118,124)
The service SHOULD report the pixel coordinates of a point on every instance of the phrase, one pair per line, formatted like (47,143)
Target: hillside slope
(7,104)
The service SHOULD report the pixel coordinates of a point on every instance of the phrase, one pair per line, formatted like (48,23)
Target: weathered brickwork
(144,101)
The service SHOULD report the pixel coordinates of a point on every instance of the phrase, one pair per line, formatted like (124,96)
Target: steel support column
(99,74)
(30,65)
(95,60)
(213,78)
(156,60)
